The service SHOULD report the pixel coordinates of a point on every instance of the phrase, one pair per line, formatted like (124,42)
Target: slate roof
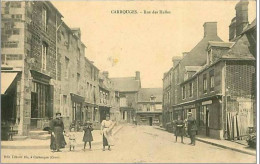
(198,55)
(145,93)
(126,84)
(250,27)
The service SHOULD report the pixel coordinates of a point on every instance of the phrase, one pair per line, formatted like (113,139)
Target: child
(72,138)
(87,134)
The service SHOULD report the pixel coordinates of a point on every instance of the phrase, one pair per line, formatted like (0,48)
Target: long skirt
(57,141)
(105,143)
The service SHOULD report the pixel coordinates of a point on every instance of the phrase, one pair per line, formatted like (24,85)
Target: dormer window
(152,98)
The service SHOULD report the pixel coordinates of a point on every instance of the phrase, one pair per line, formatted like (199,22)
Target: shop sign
(178,108)
(207,102)
(189,106)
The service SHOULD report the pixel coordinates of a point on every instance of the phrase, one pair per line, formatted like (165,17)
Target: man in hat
(57,137)
(106,130)
(192,128)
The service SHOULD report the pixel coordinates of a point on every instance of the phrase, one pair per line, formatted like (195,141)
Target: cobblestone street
(136,145)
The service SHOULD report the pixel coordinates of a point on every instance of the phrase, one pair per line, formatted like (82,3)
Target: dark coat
(87,134)
(57,127)
(179,128)
(192,126)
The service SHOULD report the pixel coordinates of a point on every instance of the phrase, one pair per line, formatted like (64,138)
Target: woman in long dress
(57,137)
(106,130)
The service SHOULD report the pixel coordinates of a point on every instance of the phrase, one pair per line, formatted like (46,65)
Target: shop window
(205,85)
(202,115)
(44,55)
(183,92)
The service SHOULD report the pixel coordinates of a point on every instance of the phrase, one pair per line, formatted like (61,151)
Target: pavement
(239,146)
(43,144)
(133,144)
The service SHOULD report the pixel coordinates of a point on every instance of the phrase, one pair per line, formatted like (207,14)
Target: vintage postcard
(140,81)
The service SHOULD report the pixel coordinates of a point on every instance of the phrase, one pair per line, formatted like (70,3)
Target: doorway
(207,121)
(150,121)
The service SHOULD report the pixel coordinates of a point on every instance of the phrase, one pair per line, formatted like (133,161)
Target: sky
(125,43)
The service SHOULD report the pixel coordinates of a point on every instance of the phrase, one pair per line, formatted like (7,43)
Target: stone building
(220,89)
(128,88)
(149,111)
(29,54)
(44,69)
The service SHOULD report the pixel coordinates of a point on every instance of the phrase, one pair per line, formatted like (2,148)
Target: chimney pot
(137,75)
(176,60)
(106,74)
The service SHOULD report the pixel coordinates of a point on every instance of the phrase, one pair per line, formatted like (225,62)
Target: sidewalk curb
(225,147)
(48,146)
(215,144)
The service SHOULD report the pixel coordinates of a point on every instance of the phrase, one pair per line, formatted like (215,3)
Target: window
(202,113)
(16,4)
(191,89)
(78,79)
(205,85)
(10,44)
(212,80)
(16,31)
(183,92)
(78,55)
(44,18)
(123,102)
(148,108)
(67,60)
(44,55)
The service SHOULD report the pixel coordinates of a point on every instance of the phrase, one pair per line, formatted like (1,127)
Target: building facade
(44,70)
(29,45)
(128,88)
(220,89)
(149,110)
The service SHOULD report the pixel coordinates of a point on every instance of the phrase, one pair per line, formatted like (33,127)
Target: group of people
(58,134)
(180,130)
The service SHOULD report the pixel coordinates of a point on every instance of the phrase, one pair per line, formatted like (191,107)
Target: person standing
(179,129)
(106,130)
(57,137)
(87,134)
(192,128)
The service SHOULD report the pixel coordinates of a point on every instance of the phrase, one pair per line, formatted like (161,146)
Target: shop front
(149,118)
(41,100)
(210,118)
(10,103)
(77,102)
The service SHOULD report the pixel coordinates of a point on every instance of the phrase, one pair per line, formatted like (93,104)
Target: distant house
(128,88)
(149,106)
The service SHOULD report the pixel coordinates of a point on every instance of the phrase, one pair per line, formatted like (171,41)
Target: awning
(6,80)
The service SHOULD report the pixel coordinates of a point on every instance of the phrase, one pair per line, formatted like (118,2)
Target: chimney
(241,16)
(137,75)
(232,29)
(184,54)
(106,74)
(210,29)
(176,60)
